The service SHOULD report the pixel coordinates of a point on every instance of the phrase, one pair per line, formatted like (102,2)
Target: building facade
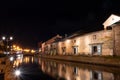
(103,42)
(50,46)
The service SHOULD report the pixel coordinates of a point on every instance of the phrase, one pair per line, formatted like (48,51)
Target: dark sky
(31,21)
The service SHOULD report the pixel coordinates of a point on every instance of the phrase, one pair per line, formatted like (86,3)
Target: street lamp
(7,40)
(11,58)
(17,74)
(3,38)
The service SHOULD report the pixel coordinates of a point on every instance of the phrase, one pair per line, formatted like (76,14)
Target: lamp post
(7,40)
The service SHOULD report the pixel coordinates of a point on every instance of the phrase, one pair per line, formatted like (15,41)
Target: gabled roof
(78,33)
(111,20)
(53,39)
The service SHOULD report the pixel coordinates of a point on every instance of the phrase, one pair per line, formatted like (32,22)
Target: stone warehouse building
(103,42)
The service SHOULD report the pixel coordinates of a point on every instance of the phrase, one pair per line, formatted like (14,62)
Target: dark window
(95,75)
(63,49)
(109,28)
(94,49)
(75,50)
(75,70)
(74,41)
(94,37)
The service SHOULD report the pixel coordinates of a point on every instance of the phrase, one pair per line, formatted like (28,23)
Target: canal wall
(96,60)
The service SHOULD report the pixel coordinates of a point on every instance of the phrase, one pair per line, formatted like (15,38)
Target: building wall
(107,47)
(116,34)
(50,46)
(108,76)
(84,43)
(59,48)
(68,46)
(43,47)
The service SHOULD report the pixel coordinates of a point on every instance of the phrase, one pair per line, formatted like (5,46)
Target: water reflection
(34,68)
(18,61)
(67,72)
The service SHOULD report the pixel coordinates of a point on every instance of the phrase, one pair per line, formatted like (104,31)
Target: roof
(111,20)
(78,33)
(117,22)
(53,39)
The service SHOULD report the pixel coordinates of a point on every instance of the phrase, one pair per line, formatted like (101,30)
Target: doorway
(96,49)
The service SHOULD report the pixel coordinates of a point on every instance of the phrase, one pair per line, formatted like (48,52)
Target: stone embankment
(96,60)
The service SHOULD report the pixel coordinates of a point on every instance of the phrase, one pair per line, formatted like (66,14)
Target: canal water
(36,68)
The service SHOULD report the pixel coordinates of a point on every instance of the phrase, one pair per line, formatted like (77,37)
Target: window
(96,75)
(95,49)
(75,49)
(94,37)
(75,70)
(74,41)
(108,28)
(63,50)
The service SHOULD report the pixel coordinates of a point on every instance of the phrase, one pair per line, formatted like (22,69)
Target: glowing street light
(7,40)
(17,72)
(3,38)
(11,38)
(11,58)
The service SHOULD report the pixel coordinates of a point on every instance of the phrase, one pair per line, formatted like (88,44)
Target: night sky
(32,21)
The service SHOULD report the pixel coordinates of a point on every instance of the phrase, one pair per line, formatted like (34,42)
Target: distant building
(103,42)
(50,46)
(40,47)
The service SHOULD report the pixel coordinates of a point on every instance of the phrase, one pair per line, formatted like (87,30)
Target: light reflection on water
(68,72)
(64,71)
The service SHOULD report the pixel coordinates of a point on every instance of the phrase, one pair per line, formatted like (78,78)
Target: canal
(36,68)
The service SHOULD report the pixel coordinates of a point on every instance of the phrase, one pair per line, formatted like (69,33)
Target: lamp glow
(11,38)
(11,58)
(17,72)
(3,38)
